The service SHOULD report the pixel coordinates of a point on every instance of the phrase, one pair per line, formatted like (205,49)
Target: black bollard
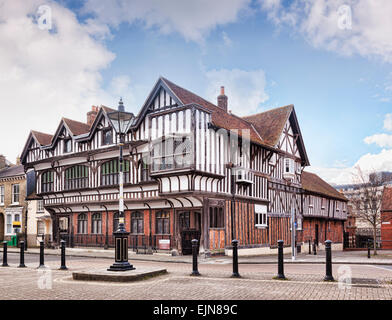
(310,247)
(63,266)
(280,260)
(195,271)
(5,264)
(368,249)
(328,262)
(22,250)
(41,255)
(235,259)
(314,248)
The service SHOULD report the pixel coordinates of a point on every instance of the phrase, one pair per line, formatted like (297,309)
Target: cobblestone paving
(305,282)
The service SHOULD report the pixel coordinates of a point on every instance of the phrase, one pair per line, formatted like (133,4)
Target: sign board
(16,224)
(164,244)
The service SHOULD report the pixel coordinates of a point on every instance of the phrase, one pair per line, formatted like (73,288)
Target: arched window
(137,223)
(76,177)
(82,223)
(116,219)
(47,181)
(96,223)
(110,170)
(162,220)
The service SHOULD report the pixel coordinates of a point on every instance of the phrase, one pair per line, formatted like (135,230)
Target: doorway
(189,228)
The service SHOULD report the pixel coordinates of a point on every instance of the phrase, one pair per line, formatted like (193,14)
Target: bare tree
(367,201)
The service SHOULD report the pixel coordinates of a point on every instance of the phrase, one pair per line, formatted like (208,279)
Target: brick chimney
(222,99)
(3,163)
(91,115)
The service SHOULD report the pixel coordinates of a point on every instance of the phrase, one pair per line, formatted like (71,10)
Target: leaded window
(82,223)
(162,222)
(96,223)
(47,181)
(110,171)
(172,153)
(76,177)
(137,223)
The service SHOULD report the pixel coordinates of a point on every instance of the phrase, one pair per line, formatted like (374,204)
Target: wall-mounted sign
(164,244)
(16,224)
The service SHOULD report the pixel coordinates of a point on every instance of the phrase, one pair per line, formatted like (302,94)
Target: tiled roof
(270,124)
(386,204)
(220,117)
(42,138)
(12,171)
(313,183)
(77,127)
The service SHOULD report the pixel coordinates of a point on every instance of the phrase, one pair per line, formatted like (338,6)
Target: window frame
(2,195)
(109,171)
(42,224)
(40,206)
(261,216)
(47,181)
(103,137)
(138,217)
(167,158)
(162,221)
(96,223)
(76,177)
(82,224)
(13,193)
(65,145)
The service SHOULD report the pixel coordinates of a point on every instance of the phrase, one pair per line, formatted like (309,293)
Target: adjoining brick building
(12,199)
(386,218)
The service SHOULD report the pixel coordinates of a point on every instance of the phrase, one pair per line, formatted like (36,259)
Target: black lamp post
(121,122)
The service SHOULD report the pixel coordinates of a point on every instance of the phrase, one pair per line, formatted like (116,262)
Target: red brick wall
(386,230)
(333,228)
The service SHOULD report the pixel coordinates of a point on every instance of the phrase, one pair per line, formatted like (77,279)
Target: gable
(160,97)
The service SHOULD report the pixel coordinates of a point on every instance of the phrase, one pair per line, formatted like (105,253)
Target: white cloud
(192,19)
(320,23)
(388,122)
(245,89)
(46,74)
(383,140)
(368,163)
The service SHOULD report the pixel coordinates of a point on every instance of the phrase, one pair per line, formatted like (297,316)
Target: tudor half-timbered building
(192,170)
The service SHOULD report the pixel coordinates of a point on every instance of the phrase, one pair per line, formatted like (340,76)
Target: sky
(331,59)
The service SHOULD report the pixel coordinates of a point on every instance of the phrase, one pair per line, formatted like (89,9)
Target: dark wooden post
(235,259)
(314,248)
(368,247)
(195,271)
(5,264)
(310,246)
(280,260)
(22,250)
(328,262)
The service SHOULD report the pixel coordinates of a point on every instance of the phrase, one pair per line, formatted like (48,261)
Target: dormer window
(107,137)
(67,145)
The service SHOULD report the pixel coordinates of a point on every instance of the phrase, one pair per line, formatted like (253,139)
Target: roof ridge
(270,110)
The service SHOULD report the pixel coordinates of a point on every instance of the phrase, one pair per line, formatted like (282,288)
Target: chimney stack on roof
(91,115)
(222,99)
(3,162)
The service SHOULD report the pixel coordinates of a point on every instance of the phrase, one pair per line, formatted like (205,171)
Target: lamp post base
(121,266)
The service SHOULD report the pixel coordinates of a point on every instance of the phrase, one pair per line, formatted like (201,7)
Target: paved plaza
(304,281)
